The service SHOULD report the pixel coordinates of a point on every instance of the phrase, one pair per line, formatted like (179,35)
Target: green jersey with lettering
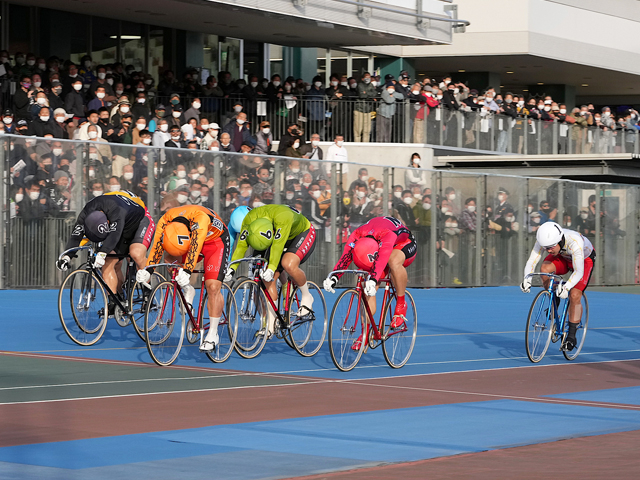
(287,222)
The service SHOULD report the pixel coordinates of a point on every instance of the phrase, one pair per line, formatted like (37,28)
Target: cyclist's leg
(110,273)
(215,265)
(142,240)
(401,257)
(575,302)
(299,250)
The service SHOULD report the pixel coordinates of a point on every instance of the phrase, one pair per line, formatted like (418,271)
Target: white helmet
(549,234)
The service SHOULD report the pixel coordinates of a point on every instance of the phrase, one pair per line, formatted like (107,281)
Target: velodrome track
(469,404)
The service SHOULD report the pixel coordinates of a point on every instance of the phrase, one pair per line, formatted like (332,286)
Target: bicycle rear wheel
(251,305)
(138,299)
(307,332)
(539,326)
(348,320)
(84,312)
(227,327)
(398,343)
(164,324)
(581,332)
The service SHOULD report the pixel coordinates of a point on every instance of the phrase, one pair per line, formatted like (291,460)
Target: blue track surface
(458,330)
(337,441)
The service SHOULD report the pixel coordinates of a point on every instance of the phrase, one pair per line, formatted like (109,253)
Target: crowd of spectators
(57,97)
(126,115)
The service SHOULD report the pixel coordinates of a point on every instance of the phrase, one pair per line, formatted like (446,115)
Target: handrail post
(480,188)
(433,264)
(151,180)
(385,190)
(333,230)
(5,213)
(599,240)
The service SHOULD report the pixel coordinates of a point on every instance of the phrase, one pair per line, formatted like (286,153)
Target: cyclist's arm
(534,258)
(77,233)
(156,249)
(232,240)
(198,237)
(384,252)
(576,248)
(347,255)
(282,222)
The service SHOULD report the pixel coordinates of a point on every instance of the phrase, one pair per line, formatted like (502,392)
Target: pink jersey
(388,231)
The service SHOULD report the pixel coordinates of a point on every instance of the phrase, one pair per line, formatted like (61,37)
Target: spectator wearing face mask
(404,208)
(293,149)
(264,140)
(74,101)
(312,149)
(211,137)
(414,177)
(503,204)
(194,110)
(386,112)
(41,102)
(42,123)
(61,193)
(311,208)
(239,133)
(468,217)
(366,93)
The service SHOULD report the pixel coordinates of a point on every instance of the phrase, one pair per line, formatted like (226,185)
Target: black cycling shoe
(570,343)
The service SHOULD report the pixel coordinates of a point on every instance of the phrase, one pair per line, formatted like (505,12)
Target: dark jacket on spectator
(38,128)
(21,105)
(55,101)
(239,134)
(74,104)
(449,101)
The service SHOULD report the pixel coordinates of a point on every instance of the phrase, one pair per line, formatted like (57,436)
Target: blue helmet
(237,216)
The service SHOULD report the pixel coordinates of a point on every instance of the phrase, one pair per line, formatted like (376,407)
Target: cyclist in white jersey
(567,251)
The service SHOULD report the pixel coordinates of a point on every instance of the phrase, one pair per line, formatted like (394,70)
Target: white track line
(161,393)
(511,397)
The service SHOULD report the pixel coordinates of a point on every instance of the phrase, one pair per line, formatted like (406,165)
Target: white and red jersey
(575,249)
(387,231)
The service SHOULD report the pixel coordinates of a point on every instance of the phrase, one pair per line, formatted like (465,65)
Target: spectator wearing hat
(61,192)
(141,108)
(366,92)
(174,100)
(8,122)
(502,204)
(177,118)
(55,95)
(160,113)
(264,140)
(59,124)
(212,135)
(386,111)
(120,110)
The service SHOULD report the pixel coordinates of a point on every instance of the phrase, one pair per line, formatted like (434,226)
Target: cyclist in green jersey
(286,239)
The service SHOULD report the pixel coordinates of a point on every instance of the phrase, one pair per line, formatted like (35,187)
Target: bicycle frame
(89,267)
(257,264)
(389,291)
(554,282)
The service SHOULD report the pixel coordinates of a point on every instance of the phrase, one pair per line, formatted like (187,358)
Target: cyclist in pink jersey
(383,245)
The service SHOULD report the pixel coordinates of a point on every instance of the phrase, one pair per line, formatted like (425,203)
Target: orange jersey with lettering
(205,226)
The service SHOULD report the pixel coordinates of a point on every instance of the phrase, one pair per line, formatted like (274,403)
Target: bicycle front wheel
(539,326)
(581,332)
(307,332)
(82,306)
(251,305)
(164,324)
(227,327)
(398,343)
(346,327)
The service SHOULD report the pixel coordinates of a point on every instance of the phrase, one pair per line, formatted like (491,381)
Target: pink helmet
(365,253)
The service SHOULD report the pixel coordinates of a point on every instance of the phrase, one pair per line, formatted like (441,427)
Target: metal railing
(412,123)
(458,245)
